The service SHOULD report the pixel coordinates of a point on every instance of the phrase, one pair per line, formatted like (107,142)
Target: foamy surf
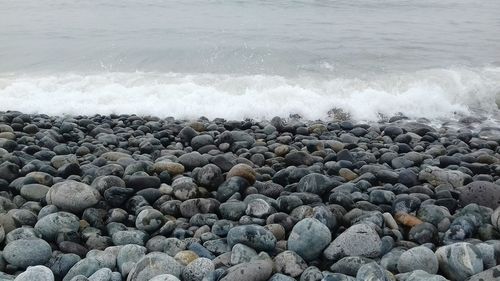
(433,94)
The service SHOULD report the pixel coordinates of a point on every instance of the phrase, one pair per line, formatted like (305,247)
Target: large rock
(459,261)
(27,252)
(358,240)
(254,236)
(418,258)
(309,238)
(480,192)
(437,176)
(72,196)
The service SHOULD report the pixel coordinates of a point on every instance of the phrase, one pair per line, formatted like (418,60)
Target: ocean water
(235,59)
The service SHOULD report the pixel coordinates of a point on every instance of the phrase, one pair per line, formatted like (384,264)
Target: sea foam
(434,94)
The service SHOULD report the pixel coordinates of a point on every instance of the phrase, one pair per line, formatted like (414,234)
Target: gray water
(387,53)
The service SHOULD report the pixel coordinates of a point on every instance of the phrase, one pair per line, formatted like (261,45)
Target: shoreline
(124,197)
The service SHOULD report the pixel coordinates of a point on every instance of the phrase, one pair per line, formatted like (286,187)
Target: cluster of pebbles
(124,197)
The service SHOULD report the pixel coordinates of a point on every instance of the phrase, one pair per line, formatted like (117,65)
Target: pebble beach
(126,197)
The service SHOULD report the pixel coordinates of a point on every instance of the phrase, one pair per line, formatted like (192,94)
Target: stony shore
(123,197)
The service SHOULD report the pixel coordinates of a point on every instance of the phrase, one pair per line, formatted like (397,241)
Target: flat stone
(72,196)
(250,271)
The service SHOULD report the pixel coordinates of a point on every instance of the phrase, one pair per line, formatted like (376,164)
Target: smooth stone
(72,196)
(149,220)
(357,240)
(127,257)
(495,218)
(250,271)
(311,273)
(192,160)
(308,238)
(62,263)
(85,267)
(373,271)
(107,257)
(487,275)
(259,208)
(27,252)
(349,265)
(232,210)
(241,253)
(103,274)
(209,176)
(34,191)
(459,261)
(420,275)
(243,171)
(289,263)
(418,258)
(423,233)
(197,269)
(50,225)
(254,236)
(154,264)
(24,232)
(174,245)
(39,273)
(164,277)
(230,187)
(315,183)
(281,277)
(125,237)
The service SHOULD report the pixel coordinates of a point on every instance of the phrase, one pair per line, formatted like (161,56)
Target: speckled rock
(254,236)
(358,240)
(480,192)
(197,269)
(50,225)
(289,263)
